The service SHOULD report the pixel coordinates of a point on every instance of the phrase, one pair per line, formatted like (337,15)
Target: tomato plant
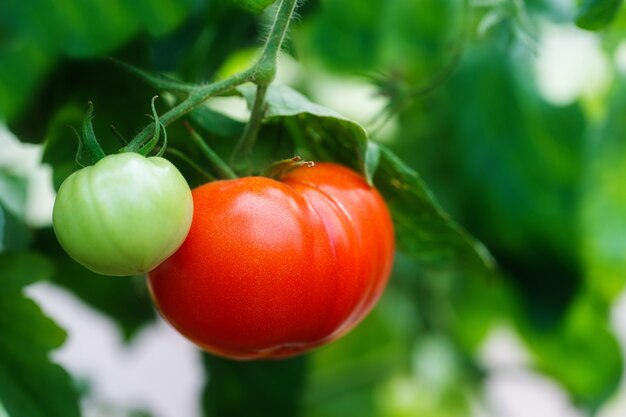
(274,268)
(124,215)
(513,227)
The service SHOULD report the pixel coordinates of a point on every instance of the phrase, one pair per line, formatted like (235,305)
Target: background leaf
(487,162)
(581,352)
(30,385)
(70,28)
(124,300)
(230,381)
(510,170)
(14,234)
(12,193)
(424,231)
(603,205)
(380,38)
(596,14)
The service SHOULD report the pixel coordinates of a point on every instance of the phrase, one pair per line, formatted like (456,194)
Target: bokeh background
(511,111)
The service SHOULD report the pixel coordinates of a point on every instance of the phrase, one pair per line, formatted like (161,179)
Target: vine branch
(248,138)
(222,169)
(261,73)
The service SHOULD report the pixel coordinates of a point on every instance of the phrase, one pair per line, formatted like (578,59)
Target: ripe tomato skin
(272,269)
(124,215)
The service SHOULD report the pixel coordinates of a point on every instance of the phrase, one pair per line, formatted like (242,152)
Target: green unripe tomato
(124,215)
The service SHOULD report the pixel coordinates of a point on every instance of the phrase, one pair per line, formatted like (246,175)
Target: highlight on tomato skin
(273,269)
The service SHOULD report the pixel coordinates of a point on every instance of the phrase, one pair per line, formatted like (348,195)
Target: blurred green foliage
(595,14)
(539,184)
(29,384)
(255,6)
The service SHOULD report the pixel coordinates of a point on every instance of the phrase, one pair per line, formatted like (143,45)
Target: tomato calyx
(146,147)
(281,168)
(90,152)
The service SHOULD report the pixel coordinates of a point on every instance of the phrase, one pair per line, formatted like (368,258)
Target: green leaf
(270,388)
(518,156)
(458,269)
(424,231)
(30,385)
(407,39)
(507,165)
(88,28)
(21,70)
(372,159)
(13,193)
(39,32)
(162,17)
(125,300)
(254,6)
(334,137)
(596,14)
(351,402)
(513,164)
(14,233)
(603,206)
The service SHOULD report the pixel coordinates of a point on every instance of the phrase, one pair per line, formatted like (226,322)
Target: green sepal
(162,150)
(89,150)
(149,146)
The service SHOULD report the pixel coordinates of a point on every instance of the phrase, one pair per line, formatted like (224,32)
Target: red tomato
(272,268)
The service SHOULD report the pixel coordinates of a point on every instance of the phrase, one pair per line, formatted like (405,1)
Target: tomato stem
(190,162)
(119,136)
(266,65)
(222,169)
(261,73)
(264,74)
(248,138)
(147,147)
(280,168)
